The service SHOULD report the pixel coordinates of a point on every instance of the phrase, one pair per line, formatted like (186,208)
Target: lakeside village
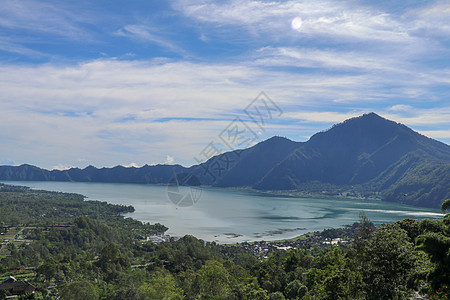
(262,249)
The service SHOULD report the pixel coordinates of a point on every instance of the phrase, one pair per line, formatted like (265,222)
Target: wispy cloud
(43,16)
(424,117)
(7,45)
(334,19)
(432,18)
(323,116)
(146,34)
(329,59)
(437,134)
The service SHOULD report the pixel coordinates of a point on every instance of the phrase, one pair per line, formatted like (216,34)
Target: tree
(111,254)
(161,287)
(79,290)
(258,294)
(271,272)
(48,270)
(436,242)
(445,205)
(214,280)
(388,261)
(277,296)
(295,289)
(363,232)
(334,277)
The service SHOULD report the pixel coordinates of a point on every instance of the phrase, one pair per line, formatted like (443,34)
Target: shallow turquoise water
(252,215)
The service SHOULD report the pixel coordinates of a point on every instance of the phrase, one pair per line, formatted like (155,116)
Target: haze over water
(229,216)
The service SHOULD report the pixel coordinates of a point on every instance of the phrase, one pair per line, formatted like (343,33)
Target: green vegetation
(75,249)
(425,184)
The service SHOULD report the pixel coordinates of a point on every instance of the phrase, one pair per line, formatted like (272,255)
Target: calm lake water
(229,216)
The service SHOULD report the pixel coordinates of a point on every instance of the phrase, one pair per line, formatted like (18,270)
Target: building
(16,287)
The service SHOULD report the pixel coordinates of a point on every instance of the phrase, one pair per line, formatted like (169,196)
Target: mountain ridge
(365,156)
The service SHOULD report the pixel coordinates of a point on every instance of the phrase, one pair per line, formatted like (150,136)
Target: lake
(229,216)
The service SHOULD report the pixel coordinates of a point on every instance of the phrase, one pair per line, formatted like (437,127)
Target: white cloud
(111,112)
(423,117)
(401,108)
(169,160)
(335,19)
(318,58)
(61,167)
(131,165)
(145,33)
(405,114)
(13,47)
(436,134)
(432,17)
(323,116)
(107,111)
(42,16)
(7,162)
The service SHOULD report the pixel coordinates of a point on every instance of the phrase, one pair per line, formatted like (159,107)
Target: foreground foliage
(86,250)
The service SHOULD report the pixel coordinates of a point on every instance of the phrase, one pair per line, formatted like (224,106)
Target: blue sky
(145,82)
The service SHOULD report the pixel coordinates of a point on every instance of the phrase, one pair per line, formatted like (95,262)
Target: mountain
(374,154)
(119,174)
(367,156)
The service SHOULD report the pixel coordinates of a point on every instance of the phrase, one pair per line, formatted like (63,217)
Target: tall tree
(388,261)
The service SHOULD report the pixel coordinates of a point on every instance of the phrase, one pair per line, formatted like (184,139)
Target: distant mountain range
(367,156)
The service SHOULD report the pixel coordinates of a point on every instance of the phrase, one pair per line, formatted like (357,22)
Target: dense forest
(69,248)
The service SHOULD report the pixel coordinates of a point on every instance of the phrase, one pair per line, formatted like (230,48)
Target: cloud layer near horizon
(124,88)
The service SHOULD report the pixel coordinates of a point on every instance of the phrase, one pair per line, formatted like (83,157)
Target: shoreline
(232,235)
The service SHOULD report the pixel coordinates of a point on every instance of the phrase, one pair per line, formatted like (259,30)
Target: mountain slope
(244,168)
(352,152)
(367,155)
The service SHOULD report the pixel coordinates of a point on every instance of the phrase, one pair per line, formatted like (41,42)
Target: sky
(111,82)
